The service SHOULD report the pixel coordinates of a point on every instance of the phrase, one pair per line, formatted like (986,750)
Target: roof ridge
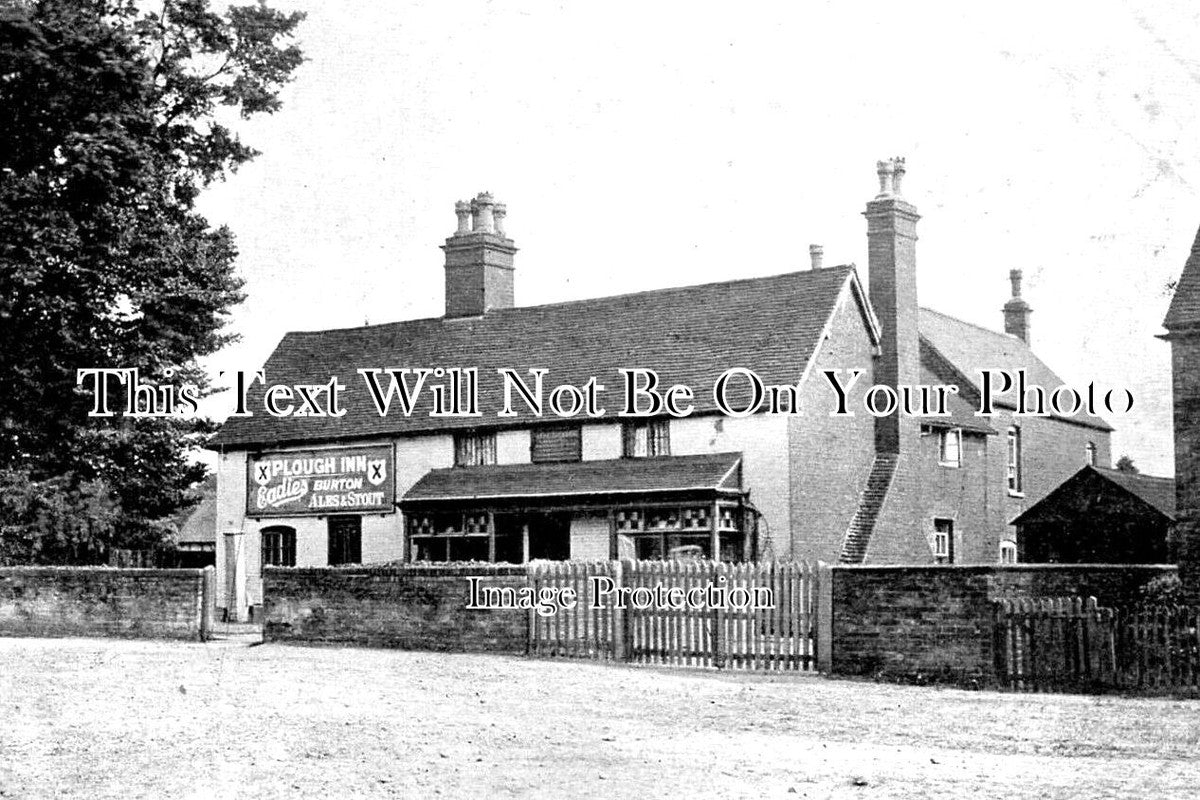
(559,303)
(1136,475)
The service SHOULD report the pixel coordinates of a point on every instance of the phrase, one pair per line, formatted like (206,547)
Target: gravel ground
(97,718)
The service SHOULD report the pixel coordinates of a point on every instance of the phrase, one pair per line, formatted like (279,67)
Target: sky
(646,145)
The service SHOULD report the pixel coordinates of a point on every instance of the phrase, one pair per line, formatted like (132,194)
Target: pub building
(472,484)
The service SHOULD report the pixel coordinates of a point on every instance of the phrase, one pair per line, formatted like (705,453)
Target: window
(449,536)
(278,546)
(473,449)
(345,540)
(943,541)
(950,447)
(645,438)
(550,444)
(1090,454)
(1008,552)
(1014,460)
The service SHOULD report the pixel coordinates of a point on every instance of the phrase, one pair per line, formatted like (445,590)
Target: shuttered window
(556,444)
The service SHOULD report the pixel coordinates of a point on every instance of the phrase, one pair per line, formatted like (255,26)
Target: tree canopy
(114,116)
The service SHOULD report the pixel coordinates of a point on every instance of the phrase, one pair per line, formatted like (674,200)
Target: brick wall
(407,607)
(77,601)
(934,623)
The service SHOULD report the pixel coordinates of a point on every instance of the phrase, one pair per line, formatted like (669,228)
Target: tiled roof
(1157,492)
(1184,311)
(199,523)
(970,349)
(689,335)
(1065,500)
(632,476)
(962,411)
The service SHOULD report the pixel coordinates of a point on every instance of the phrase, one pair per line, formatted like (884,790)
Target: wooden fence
(760,616)
(1071,644)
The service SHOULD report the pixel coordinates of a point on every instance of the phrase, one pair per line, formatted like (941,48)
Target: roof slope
(689,335)
(1184,311)
(710,473)
(971,349)
(199,523)
(1158,494)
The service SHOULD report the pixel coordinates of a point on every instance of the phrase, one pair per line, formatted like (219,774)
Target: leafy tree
(1125,464)
(113,119)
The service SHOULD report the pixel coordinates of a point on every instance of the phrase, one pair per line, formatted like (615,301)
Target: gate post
(823,636)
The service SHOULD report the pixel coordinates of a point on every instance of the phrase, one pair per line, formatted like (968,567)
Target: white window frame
(1008,548)
(943,541)
(1089,454)
(1015,455)
(945,436)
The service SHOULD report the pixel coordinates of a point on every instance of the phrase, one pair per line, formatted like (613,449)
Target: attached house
(790,481)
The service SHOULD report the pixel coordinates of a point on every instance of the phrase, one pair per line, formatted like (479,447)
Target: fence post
(208,601)
(618,614)
(823,643)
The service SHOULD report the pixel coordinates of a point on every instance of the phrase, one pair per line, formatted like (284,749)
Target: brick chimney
(479,259)
(1016,310)
(817,254)
(892,271)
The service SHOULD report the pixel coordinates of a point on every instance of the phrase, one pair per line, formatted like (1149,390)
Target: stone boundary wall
(934,624)
(418,607)
(105,601)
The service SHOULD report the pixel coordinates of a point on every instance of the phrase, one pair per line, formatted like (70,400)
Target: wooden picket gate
(759,616)
(1072,644)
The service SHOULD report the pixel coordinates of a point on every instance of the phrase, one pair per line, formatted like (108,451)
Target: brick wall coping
(982,569)
(147,572)
(412,570)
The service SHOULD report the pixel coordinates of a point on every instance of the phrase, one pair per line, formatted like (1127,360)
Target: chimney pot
(481,212)
(886,171)
(499,212)
(817,253)
(897,175)
(463,210)
(1015,277)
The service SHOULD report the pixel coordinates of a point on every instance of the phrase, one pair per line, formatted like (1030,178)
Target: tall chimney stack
(817,253)
(892,269)
(1016,310)
(479,259)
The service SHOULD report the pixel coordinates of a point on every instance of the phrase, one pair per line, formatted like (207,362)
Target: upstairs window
(474,449)
(552,444)
(1089,454)
(1008,552)
(646,438)
(943,541)
(950,447)
(278,546)
(1014,461)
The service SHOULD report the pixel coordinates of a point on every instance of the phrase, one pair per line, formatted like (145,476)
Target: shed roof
(715,473)
(1156,495)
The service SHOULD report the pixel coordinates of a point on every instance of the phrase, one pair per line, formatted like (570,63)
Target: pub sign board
(337,481)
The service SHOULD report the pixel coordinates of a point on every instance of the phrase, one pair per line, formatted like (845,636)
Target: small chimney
(1016,310)
(479,259)
(817,253)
